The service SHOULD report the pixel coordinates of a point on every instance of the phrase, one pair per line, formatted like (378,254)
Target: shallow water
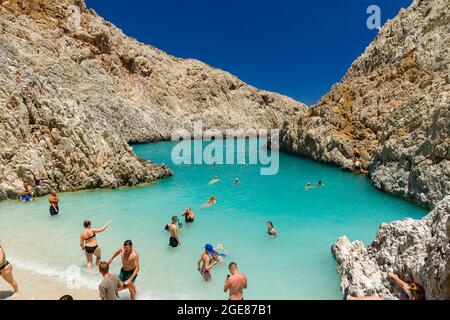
(296,265)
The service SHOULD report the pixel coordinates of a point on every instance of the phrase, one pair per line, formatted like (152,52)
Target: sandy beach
(33,286)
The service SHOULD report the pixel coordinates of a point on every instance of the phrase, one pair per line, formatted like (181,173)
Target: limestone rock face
(392,107)
(74,91)
(418,249)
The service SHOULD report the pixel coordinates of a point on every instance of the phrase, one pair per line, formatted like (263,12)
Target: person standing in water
(188,215)
(111,284)
(205,262)
(235,283)
(130,267)
(53,199)
(88,243)
(271,230)
(174,228)
(6,271)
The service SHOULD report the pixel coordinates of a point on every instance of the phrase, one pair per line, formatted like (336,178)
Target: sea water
(298,264)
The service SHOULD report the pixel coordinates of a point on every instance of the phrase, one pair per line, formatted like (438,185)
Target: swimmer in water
(54,200)
(271,230)
(308,186)
(319,184)
(236,181)
(214,180)
(210,202)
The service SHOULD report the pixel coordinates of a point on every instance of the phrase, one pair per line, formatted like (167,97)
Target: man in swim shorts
(205,262)
(26,193)
(174,240)
(130,266)
(54,200)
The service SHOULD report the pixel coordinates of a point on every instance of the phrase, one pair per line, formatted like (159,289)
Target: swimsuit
(173,242)
(26,197)
(4,265)
(125,275)
(90,249)
(54,211)
(189,220)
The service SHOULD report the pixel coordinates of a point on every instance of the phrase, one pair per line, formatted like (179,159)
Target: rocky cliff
(419,250)
(74,91)
(392,109)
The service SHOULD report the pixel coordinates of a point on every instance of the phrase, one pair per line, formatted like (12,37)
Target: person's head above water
(209,248)
(128,246)
(103,267)
(232,267)
(66,297)
(215,255)
(174,219)
(270,224)
(87,224)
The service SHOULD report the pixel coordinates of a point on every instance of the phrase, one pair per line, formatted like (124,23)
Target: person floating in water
(54,200)
(6,271)
(130,267)
(27,193)
(235,283)
(174,228)
(319,184)
(308,186)
(236,181)
(188,215)
(210,202)
(214,180)
(204,263)
(271,230)
(88,243)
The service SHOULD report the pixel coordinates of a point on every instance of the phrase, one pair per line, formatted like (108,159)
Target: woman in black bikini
(188,215)
(88,243)
(271,230)
(6,271)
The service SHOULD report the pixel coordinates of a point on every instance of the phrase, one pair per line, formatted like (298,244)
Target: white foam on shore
(72,280)
(73,277)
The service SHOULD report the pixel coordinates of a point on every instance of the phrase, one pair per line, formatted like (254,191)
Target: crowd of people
(109,288)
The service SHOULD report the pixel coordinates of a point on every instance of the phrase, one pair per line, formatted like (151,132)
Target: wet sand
(33,286)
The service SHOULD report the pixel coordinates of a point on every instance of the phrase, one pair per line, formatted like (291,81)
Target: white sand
(33,286)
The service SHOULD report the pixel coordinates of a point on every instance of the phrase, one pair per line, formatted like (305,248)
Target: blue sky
(293,47)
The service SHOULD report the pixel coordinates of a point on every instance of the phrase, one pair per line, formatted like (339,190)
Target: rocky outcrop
(74,91)
(418,250)
(392,109)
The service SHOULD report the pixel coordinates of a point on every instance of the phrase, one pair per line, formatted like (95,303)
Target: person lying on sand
(88,242)
(6,271)
(214,180)
(53,199)
(130,267)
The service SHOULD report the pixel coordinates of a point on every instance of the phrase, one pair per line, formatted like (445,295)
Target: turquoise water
(296,265)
